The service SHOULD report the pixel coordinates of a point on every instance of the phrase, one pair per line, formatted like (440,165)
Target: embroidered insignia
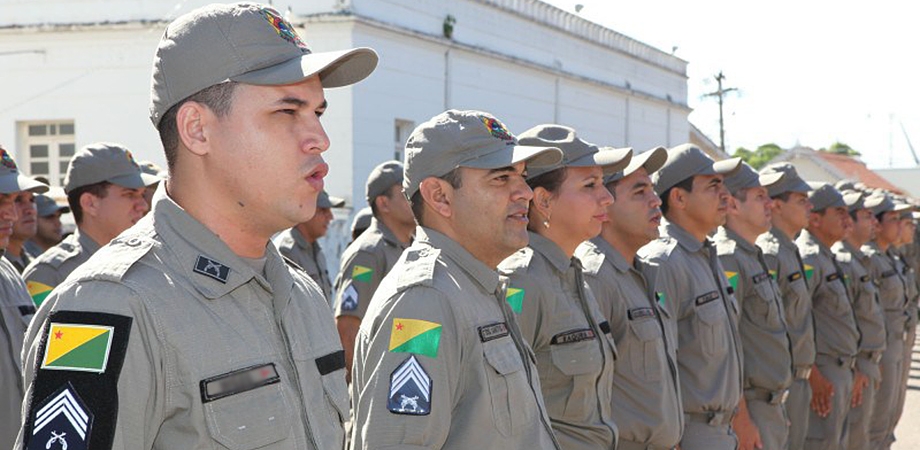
(238,381)
(832,277)
(773,274)
(706,298)
(732,279)
(410,389)
(283,28)
(80,347)
(7,161)
(361,273)
(38,291)
(62,422)
(659,296)
(570,337)
(331,362)
(497,129)
(761,277)
(491,332)
(415,336)
(809,271)
(639,313)
(211,268)
(515,299)
(350,298)
(794,276)
(605,327)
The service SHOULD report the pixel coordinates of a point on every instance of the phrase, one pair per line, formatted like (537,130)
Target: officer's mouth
(315,177)
(520,216)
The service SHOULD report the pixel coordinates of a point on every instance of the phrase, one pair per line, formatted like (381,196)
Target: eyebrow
(640,185)
(300,103)
(502,169)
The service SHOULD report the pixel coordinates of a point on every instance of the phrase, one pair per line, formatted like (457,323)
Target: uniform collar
(388,236)
(739,241)
(549,250)
(87,244)
(857,253)
(683,237)
(784,241)
(611,254)
(485,276)
(823,249)
(309,247)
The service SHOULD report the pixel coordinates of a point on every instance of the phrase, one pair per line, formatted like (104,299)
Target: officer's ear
(89,203)
(436,194)
(677,198)
(542,202)
(192,120)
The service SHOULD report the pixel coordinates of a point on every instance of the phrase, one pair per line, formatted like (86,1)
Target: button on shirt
(767,350)
(575,353)
(16,310)
(864,294)
(217,355)
(646,398)
(475,386)
(693,284)
(308,255)
(364,264)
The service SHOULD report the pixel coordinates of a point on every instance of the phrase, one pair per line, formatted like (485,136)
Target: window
(46,149)
(402,130)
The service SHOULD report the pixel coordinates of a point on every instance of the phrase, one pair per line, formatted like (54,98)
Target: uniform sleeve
(359,278)
(406,373)
(41,278)
(92,351)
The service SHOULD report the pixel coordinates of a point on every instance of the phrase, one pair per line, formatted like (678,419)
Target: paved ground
(908,430)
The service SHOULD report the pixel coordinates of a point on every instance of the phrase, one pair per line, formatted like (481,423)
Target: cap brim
(726,166)
(769,179)
(610,159)
(650,160)
(335,69)
(131,180)
(334,202)
(13,183)
(534,157)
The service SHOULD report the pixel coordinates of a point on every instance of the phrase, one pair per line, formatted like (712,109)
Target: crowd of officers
(529,291)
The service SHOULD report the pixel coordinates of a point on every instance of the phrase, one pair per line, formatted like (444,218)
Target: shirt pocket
(250,419)
(763,306)
(646,348)
(711,321)
(508,387)
(579,364)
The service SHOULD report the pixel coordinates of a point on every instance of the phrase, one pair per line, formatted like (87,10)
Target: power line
(720,93)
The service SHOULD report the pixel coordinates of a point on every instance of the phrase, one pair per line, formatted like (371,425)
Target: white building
(78,71)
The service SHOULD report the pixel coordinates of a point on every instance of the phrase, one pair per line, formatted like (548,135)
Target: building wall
(810,171)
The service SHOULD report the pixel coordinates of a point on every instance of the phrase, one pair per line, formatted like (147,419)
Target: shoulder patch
(63,421)
(809,271)
(350,298)
(38,291)
(515,298)
(410,389)
(732,279)
(415,336)
(362,273)
(211,268)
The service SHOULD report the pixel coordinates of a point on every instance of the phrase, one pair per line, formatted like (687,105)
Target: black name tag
(889,273)
(794,276)
(573,336)
(491,332)
(865,278)
(605,327)
(832,277)
(639,313)
(25,310)
(706,298)
(238,381)
(331,362)
(760,277)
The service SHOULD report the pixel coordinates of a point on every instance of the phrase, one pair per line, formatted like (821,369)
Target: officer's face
(266,165)
(635,215)
(707,203)
(832,223)
(908,227)
(794,211)
(50,228)
(9,214)
(25,227)
(579,207)
(889,227)
(120,209)
(397,206)
(317,226)
(755,210)
(864,226)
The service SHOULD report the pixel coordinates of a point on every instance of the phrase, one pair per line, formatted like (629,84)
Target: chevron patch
(410,389)
(63,421)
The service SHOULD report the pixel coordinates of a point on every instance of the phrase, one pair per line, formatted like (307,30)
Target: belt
(712,417)
(630,445)
(802,372)
(843,361)
(766,395)
(874,357)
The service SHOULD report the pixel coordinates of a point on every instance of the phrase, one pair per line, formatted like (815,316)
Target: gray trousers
(859,417)
(829,433)
(881,426)
(701,436)
(798,407)
(772,423)
(905,372)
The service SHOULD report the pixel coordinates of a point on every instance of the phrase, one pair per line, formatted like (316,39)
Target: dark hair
(100,189)
(741,194)
(685,184)
(784,196)
(551,181)
(418,204)
(388,194)
(218,98)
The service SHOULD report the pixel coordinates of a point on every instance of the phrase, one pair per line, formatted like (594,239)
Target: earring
(546,223)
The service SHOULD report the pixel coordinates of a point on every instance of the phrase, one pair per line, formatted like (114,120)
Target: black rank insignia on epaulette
(62,421)
(211,268)
(410,389)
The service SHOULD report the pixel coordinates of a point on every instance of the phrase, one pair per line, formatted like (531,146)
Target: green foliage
(840,148)
(760,157)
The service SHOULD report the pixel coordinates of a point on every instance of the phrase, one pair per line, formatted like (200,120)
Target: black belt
(765,395)
(874,357)
(711,418)
(630,445)
(802,372)
(843,361)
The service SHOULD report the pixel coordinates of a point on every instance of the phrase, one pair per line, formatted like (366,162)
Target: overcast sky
(808,72)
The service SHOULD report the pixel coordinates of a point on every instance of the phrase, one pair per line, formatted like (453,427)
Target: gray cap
(323,200)
(687,160)
(382,178)
(244,42)
(884,203)
(845,185)
(104,161)
(151,168)
(791,182)
(362,219)
(13,181)
(823,196)
(650,160)
(575,151)
(854,199)
(473,139)
(47,206)
(746,177)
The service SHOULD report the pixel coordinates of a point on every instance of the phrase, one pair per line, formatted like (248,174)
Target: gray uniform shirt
(646,386)
(16,310)
(206,352)
(891,289)
(693,283)
(908,260)
(785,264)
(836,333)
(52,267)
(364,264)
(575,352)
(869,315)
(473,386)
(766,345)
(308,256)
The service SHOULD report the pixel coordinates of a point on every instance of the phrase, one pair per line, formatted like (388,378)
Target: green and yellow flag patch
(77,347)
(515,299)
(38,291)
(773,274)
(809,271)
(415,336)
(732,279)
(361,273)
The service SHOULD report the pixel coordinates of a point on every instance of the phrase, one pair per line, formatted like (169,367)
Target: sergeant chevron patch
(410,389)
(63,421)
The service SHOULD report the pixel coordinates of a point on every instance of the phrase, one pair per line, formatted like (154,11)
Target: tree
(840,148)
(760,157)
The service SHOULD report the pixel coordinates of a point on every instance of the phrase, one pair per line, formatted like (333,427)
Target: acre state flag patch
(38,291)
(732,279)
(515,299)
(415,336)
(80,347)
(361,273)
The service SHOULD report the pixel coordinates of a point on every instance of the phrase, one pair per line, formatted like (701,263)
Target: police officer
(789,215)
(361,222)
(869,316)
(16,309)
(301,242)
(24,229)
(906,253)
(836,333)
(694,288)
(646,395)
(189,331)
(367,260)
(440,361)
(49,230)
(105,189)
(557,312)
(761,415)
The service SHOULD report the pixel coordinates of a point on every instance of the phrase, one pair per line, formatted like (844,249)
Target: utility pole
(720,93)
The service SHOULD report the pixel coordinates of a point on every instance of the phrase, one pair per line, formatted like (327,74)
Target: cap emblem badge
(497,129)
(6,160)
(283,28)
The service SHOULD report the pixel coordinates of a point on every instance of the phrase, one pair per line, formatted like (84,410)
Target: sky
(808,72)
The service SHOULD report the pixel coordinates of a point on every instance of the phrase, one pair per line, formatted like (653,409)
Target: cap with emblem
(47,206)
(575,151)
(791,182)
(746,177)
(472,139)
(883,203)
(323,200)
(854,199)
(104,161)
(823,196)
(382,178)
(13,181)
(247,43)
(362,220)
(650,160)
(687,160)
